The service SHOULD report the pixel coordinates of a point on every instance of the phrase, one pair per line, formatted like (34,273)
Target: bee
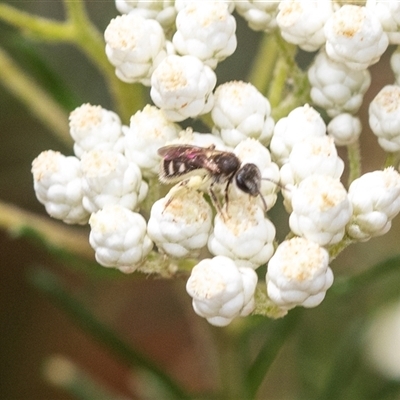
(181,162)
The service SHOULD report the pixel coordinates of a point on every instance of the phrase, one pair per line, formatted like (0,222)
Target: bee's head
(248,179)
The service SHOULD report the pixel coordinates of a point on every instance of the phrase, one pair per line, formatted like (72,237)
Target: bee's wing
(181,161)
(180,150)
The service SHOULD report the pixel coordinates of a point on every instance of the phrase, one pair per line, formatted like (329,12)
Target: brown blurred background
(150,313)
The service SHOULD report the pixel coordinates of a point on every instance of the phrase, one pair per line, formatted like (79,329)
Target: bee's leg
(227,192)
(176,191)
(215,200)
(193,182)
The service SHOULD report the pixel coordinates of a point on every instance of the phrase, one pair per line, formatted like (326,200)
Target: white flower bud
(314,155)
(119,238)
(388,13)
(221,291)
(345,129)
(252,151)
(243,233)
(181,4)
(182,87)
(302,22)
(163,11)
(384,117)
(93,127)
(148,131)
(109,178)
(336,87)
(180,223)
(321,210)
(135,46)
(205,30)
(260,15)
(375,198)
(241,111)
(354,36)
(187,136)
(298,274)
(301,122)
(58,186)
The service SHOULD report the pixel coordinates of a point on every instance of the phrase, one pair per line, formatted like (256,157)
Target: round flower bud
(301,122)
(241,111)
(321,210)
(298,274)
(57,181)
(345,129)
(163,11)
(109,178)
(384,117)
(93,127)
(181,4)
(354,36)
(314,155)
(148,131)
(260,15)
(375,198)
(388,13)
(180,223)
(135,46)
(182,87)
(302,22)
(252,151)
(336,87)
(221,291)
(205,30)
(187,136)
(119,238)
(243,233)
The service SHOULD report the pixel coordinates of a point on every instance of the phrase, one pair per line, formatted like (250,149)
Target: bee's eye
(248,179)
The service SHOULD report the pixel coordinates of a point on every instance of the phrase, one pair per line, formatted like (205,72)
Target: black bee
(180,162)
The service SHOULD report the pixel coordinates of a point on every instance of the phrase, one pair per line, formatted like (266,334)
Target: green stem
(344,285)
(49,284)
(79,30)
(127,97)
(354,157)
(263,65)
(38,102)
(67,376)
(391,160)
(230,364)
(281,330)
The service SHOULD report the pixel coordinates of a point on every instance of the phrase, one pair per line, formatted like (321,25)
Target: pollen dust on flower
(119,33)
(241,217)
(290,13)
(205,283)
(171,76)
(322,193)
(348,21)
(45,164)
(86,116)
(99,163)
(389,99)
(301,259)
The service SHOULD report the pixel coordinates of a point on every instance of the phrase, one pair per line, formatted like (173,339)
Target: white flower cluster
(241,163)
